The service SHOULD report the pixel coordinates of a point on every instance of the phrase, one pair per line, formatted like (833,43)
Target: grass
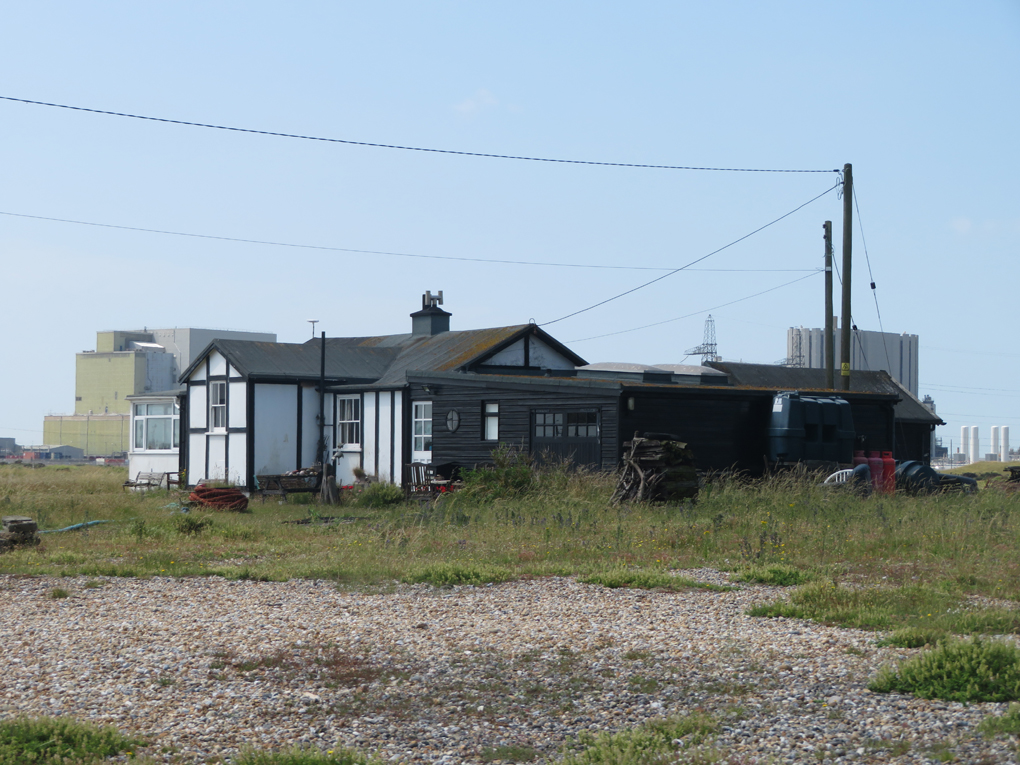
(518,521)
(645,579)
(59,741)
(919,614)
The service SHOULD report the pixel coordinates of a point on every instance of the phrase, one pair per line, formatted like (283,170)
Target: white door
(347,454)
(421,431)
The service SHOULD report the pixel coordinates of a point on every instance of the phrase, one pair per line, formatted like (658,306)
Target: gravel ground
(204,666)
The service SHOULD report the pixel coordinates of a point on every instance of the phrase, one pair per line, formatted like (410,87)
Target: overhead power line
(393,254)
(693,262)
(410,148)
(695,313)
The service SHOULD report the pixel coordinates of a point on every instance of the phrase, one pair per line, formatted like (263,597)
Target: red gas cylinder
(877,470)
(889,476)
(859,458)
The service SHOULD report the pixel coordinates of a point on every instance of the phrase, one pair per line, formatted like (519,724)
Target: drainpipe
(322,404)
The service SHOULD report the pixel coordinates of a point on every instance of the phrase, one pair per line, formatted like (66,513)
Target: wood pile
(18,531)
(659,468)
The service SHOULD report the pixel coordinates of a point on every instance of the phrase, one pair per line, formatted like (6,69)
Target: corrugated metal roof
(909,408)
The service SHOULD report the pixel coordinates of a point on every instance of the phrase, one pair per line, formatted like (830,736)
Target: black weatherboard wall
(518,401)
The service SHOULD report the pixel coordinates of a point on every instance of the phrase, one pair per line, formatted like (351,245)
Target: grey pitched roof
(908,409)
(297,360)
(382,360)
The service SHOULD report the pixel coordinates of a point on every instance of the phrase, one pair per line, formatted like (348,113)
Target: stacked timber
(659,468)
(18,531)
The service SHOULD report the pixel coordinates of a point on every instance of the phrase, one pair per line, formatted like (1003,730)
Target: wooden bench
(422,483)
(145,481)
(282,485)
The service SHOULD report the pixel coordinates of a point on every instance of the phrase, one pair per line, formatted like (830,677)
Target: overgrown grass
(647,579)
(518,521)
(59,741)
(967,671)
(306,756)
(920,611)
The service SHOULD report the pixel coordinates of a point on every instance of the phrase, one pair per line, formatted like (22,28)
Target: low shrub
(190,525)
(645,579)
(778,575)
(58,740)
(377,495)
(974,670)
(657,741)
(914,637)
(306,756)
(447,574)
(999,725)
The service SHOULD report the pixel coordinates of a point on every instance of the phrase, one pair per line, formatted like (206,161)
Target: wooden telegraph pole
(830,351)
(844,338)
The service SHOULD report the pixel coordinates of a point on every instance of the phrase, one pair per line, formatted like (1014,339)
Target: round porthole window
(452,420)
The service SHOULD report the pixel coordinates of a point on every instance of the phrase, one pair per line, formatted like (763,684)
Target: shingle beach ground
(202,667)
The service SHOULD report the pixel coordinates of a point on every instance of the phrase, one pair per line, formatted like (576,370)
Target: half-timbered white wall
(383,434)
(220,455)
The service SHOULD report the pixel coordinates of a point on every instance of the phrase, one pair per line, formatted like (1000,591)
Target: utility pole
(844,338)
(830,350)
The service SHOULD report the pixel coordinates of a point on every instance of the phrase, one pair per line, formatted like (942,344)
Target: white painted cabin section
(275,429)
(539,355)
(237,409)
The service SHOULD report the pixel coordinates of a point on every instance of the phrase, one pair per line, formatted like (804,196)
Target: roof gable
(384,359)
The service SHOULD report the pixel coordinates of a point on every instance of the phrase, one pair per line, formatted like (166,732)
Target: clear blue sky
(921,97)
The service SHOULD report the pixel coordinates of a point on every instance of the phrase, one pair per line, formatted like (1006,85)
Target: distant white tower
(965,442)
(1004,443)
(995,441)
(975,444)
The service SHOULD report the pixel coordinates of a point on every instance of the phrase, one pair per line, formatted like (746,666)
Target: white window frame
(348,422)
(490,421)
(217,404)
(141,420)
(421,431)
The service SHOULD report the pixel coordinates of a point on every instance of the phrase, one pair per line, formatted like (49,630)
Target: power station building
(869,352)
(127,363)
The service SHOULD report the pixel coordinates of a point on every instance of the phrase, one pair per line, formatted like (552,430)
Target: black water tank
(809,428)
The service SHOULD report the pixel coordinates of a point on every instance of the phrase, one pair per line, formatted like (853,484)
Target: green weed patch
(645,579)
(448,574)
(652,742)
(967,671)
(934,612)
(59,741)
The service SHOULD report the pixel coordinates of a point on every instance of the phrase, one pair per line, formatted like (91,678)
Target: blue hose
(75,526)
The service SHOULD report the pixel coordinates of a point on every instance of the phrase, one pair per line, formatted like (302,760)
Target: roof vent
(431,319)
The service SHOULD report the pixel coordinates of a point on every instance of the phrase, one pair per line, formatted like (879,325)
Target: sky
(920,97)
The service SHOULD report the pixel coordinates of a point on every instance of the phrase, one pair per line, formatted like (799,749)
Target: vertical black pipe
(322,404)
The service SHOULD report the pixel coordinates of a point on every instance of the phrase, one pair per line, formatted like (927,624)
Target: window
(348,421)
(566,424)
(422,427)
(548,425)
(218,405)
(157,427)
(490,431)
